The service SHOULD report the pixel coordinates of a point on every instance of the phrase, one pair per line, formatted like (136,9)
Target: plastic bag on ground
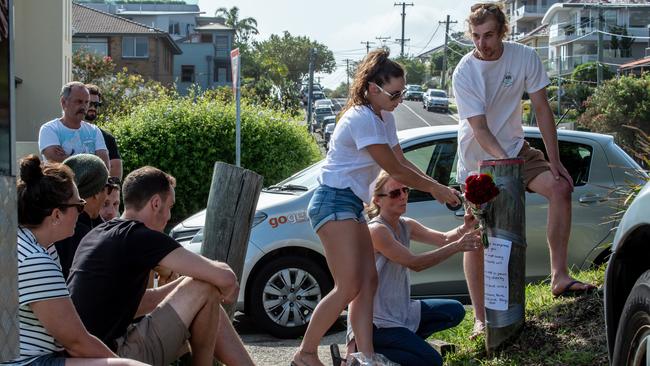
(359,359)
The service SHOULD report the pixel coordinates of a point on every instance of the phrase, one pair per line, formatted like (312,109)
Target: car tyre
(633,331)
(276,300)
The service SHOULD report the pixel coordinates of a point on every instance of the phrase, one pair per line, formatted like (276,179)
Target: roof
(88,21)
(541,31)
(431,51)
(213,26)
(636,63)
(153,12)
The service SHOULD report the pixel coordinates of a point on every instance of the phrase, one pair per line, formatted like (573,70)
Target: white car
(285,273)
(435,99)
(627,286)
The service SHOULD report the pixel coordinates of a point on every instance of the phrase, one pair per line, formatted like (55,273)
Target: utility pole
(403,5)
(367,43)
(382,40)
(444,55)
(310,90)
(599,65)
(347,72)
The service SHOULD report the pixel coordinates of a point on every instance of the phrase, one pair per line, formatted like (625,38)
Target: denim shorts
(52,359)
(334,204)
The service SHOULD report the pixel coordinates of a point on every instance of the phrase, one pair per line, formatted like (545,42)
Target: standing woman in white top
(363,143)
(51,332)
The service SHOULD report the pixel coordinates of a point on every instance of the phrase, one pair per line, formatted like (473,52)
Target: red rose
(480,189)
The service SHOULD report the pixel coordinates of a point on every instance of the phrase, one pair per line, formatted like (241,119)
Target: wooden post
(231,207)
(505,258)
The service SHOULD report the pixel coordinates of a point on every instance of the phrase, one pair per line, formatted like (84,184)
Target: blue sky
(343,25)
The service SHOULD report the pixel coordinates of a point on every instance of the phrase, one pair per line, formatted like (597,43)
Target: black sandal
(336,355)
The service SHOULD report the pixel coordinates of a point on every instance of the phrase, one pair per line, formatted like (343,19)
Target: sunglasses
(396,192)
(79,205)
(490,7)
(392,96)
(95,104)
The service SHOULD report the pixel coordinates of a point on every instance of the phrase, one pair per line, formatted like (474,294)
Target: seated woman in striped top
(51,332)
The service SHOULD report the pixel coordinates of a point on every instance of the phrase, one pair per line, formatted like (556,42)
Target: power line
(430,39)
(444,55)
(367,43)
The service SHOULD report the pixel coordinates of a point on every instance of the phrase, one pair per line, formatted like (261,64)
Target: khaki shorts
(156,339)
(534,163)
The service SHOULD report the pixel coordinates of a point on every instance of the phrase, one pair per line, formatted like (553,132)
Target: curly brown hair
(376,68)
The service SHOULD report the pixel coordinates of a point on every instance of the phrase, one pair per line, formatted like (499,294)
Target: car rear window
(575,157)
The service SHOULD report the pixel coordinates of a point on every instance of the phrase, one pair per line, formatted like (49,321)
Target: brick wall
(153,67)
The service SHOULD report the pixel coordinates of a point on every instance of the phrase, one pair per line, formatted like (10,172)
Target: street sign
(234,61)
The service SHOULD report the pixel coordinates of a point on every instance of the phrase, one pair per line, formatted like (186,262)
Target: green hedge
(186,136)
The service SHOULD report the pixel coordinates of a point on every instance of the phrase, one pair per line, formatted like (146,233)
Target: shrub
(186,136)
(90,67)
(618,102)
(588,71)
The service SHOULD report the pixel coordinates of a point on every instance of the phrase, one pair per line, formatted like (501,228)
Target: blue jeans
(334,204)
(407,348)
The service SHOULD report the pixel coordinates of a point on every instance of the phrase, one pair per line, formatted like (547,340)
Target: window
(187,73)
(221,45)
(206,38)
(222,72)
(639,18)
(135,47)
(575,157)
(94,45)
(174,28)
(438,160)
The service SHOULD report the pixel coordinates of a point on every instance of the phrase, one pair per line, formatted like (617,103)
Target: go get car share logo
(291,218)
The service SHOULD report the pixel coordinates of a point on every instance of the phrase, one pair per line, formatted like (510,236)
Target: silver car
(285,272)
(435,99)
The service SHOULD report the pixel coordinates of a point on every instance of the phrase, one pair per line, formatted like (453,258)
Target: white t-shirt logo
(507,79)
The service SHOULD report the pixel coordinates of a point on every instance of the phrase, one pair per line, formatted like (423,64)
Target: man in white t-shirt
(489,83)
(69,135)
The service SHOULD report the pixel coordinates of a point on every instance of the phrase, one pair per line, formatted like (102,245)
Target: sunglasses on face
(392,96)
(95,104)
(395,193)
(79,205)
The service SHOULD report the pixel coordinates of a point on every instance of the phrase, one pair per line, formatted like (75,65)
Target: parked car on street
(324,103)
(327,134)
(435,99)
(285,273)
(320,113)
(627,286)
(326,121)
(413,92)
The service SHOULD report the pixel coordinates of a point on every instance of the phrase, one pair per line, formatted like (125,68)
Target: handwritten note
(496,259)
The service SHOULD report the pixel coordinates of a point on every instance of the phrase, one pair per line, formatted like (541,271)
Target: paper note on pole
(234,63)
(496,259)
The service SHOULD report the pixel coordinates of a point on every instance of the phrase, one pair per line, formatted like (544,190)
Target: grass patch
(567,331)
(453,108)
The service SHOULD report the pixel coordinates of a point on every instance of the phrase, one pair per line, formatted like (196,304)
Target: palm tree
(244,28)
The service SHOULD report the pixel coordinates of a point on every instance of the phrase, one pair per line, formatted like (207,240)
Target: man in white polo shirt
(68,135)
(488,85)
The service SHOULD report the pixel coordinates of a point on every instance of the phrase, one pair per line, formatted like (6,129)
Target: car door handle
(459,213)
(591,198)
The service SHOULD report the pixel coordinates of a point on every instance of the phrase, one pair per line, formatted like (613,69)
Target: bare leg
(102,362)
(558,194)
(473,267)
(197,304)
(229,348)
(346,243)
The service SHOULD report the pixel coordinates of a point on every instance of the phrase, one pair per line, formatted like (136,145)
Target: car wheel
(285,293)
(633,333)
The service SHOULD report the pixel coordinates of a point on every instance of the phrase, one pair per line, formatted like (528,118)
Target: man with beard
(489,83)
(68,135)
(111,144)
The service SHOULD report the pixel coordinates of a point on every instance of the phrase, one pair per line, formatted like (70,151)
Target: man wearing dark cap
(91,178)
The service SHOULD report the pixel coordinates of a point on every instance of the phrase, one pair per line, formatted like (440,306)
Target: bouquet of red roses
(480,190)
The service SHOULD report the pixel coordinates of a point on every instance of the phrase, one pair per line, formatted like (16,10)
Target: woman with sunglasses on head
(51,332)
(401,325)
(91,178)
(364,142)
